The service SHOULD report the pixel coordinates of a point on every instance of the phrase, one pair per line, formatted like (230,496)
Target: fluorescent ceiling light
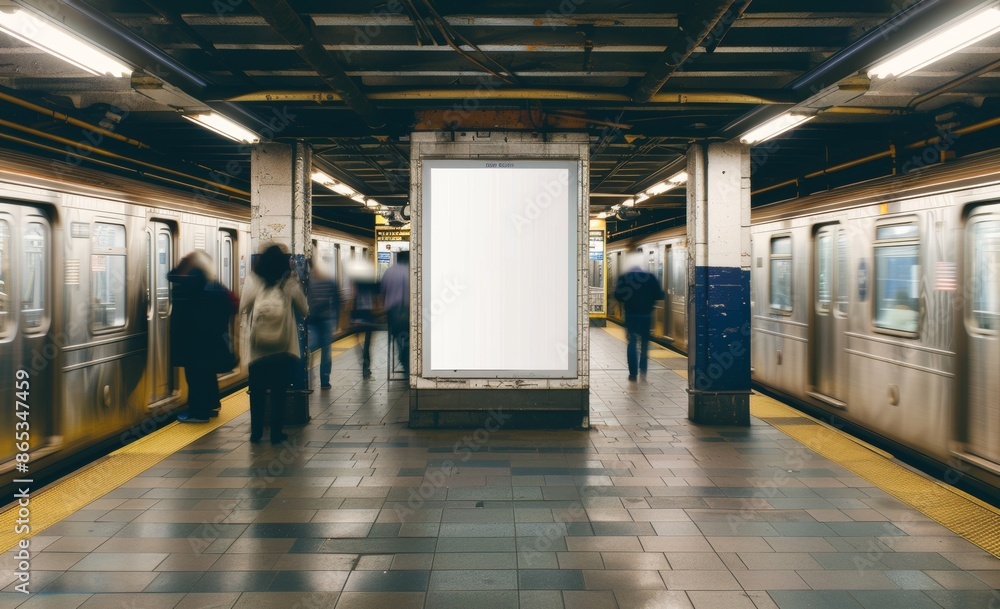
(628,203)
(321,178)
(372,203)
(639,198)
(360,198)
(58,42)
(344,189)
(660,187)
(680,178)
(213,121)
(964,32)
(775,127)
(602,215)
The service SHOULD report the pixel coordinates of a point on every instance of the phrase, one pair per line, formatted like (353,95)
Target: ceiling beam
(290,26)
(694,27)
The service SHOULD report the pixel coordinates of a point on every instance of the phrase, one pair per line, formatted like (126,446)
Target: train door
(28,355)
(159,261)
(982,320)
(676,294)
(829,343)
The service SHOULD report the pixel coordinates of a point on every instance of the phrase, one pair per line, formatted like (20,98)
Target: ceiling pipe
(916,101)
(882,41)
(891,152)
(287,23)
(692,30)
(692,97)
(81,17)
(65,118)
(78,145)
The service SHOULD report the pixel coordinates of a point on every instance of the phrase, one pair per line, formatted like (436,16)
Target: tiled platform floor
(645,510)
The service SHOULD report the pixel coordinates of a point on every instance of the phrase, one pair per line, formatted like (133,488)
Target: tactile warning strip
(63,498)
(975,520)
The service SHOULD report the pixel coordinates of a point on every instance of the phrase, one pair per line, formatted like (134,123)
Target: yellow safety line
(76,491)
(975,520)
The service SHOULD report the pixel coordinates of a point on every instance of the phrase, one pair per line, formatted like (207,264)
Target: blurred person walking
(324,314)
(396,300)
(365,311)
(637,290)
(271,298)
(201,308)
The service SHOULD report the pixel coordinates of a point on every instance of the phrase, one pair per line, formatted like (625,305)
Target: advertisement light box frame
(499,268)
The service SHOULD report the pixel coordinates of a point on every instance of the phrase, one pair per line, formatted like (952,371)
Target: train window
(5,278)
(164,258)
(781,274)
(843,290)
(226,260)
(107,276)
(985,277)
(897,278)
(824,271)
(33,292)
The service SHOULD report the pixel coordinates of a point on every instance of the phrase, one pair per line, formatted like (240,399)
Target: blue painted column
(281,212)
(719,284)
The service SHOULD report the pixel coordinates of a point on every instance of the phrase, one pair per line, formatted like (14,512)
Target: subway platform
(643,510)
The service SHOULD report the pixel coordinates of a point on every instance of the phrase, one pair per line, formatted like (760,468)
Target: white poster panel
(500,277)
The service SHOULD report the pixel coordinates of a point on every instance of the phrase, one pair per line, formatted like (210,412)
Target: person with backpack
(271,298)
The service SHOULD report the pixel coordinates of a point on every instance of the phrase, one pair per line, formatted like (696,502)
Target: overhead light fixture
(658,188)
(344,189)
(775,127)
(28,28)
(372,203)
(321,178)
(602,215)
(628,203)
(360,198)
(955,37)
(213,121)
(680,178)
(639,198)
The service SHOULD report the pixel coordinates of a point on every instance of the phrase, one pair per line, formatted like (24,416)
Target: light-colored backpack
(269,322)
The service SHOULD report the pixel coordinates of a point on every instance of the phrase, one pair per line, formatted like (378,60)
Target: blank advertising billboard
(499,268)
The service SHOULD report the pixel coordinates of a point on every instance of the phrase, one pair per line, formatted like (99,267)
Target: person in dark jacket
(199,333)
(637,290)
(366,310)
(324,313)
(396,300)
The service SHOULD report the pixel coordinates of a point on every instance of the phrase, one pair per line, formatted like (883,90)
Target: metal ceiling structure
(644,77)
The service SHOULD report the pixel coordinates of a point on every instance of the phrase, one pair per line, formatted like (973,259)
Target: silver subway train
(85,304)
(878,303)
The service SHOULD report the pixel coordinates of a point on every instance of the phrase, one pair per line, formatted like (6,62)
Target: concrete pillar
(281,212)
(719,284)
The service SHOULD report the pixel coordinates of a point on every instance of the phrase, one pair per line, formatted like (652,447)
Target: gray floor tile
(814,599)
(484,579)
(461,599)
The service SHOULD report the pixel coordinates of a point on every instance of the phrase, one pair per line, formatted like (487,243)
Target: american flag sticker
(946,277)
